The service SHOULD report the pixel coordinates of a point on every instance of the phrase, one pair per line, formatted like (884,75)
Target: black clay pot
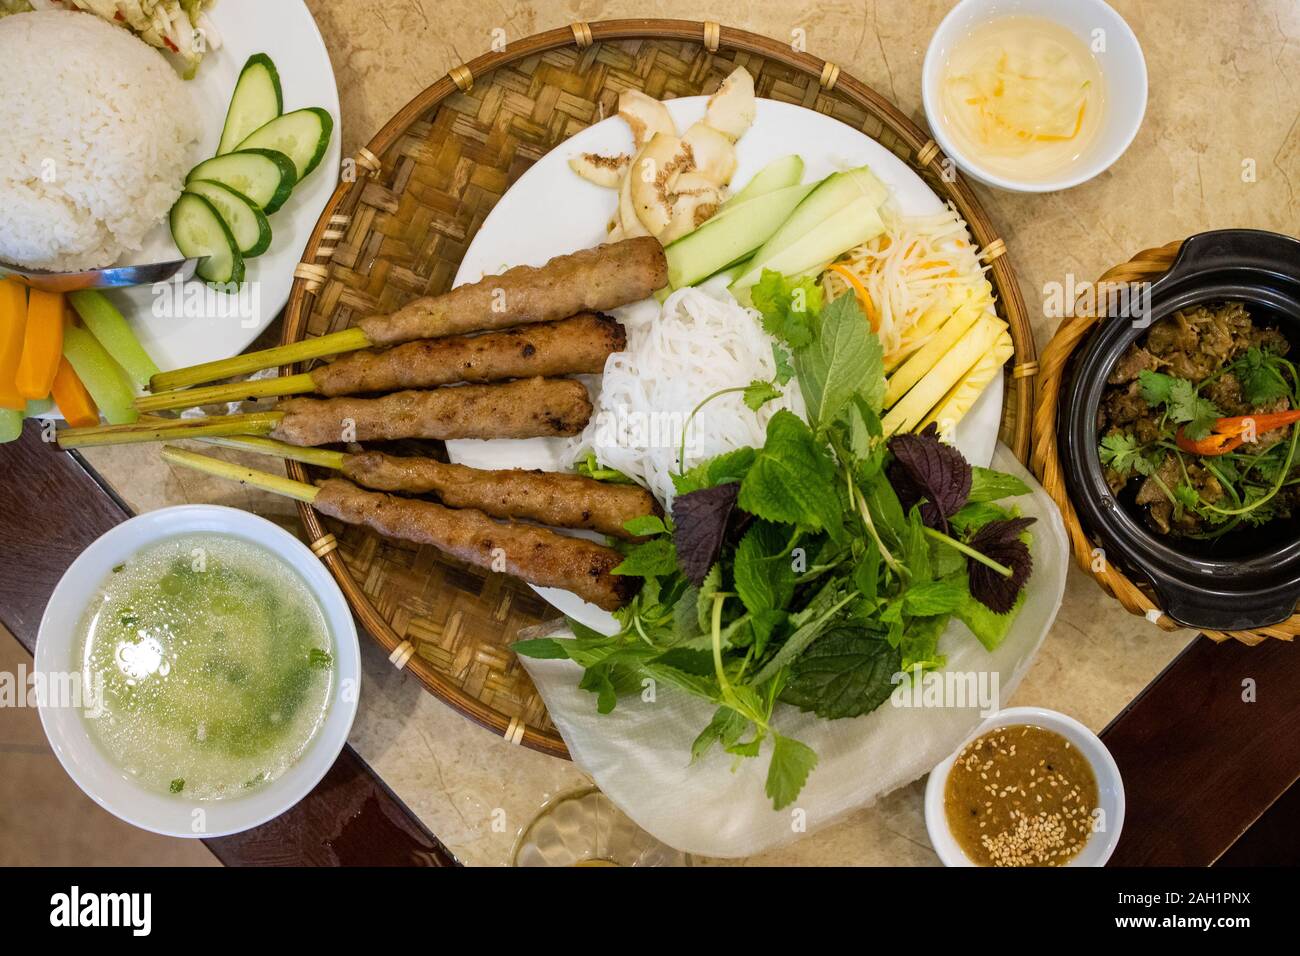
(1249,578)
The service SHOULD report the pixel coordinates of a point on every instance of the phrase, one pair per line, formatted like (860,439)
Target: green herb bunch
(813,571)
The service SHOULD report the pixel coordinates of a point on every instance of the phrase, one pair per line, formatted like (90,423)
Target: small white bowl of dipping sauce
(262,574)
(1030,793)
(1034,95)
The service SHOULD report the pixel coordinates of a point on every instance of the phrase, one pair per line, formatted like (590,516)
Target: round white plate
(551,211)
(200,326)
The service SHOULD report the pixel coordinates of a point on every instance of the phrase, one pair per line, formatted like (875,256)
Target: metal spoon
(118,277)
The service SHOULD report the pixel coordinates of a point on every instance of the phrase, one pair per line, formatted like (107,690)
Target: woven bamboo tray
(1146,266)
(424,185)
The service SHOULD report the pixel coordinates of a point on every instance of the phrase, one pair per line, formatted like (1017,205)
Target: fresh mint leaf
(886,510)
(854,435)
(697,685)
(649,559)
(764,577)
(788,306)
(758,393)
(685,614)
(809,623)
(541,649)
(598,680)
(792,479)
(846,673)
(700,525)
(845,360)
(866,576)
(643,526)
(916,548)
(724,469)
(788,771)
(989,485)
(688,660)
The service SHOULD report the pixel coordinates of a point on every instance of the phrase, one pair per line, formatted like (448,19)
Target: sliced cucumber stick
(778,174)
(256,101)
(247,223)
(263,175)
(109,326)
(302,135)
(200,232)
(102,376)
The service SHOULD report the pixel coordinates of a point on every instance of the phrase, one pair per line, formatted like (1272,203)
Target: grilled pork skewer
(549,498)
(575,346)
(533,554)
(525,408)
(592,280)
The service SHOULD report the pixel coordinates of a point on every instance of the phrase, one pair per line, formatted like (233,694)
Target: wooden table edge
(1182,743)
(57,505)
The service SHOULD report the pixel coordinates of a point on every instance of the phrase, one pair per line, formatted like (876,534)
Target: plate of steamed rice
(108,107)
(691,343)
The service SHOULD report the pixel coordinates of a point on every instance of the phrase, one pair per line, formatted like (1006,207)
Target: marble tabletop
(1220,147)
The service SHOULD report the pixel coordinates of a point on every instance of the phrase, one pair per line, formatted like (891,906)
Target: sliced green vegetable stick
(103,378)
(112,330)
(11,424)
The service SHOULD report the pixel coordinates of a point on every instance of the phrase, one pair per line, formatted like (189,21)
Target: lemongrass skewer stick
(320,457)
(276,484)
(349,340)
(233,392)
(254,423)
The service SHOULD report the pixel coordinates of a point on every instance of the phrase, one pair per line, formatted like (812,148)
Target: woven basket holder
(408,208)
(1147,266)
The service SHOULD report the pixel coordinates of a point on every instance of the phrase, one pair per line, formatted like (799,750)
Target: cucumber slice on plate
(200,232)
(247,223)
(263,175)
(256,101)
(302,135)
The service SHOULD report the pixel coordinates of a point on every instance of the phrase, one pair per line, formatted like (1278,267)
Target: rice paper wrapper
(639,754)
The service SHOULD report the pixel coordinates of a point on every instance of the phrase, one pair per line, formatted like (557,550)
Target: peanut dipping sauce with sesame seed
(1020,796)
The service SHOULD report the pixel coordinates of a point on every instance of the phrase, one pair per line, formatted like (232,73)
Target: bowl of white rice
(99,132)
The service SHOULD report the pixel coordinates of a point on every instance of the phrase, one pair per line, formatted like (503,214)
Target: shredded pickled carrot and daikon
(919,263)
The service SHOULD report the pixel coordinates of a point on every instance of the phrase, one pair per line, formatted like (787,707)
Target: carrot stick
(13,323)
(864,297)
(42,344)
(75,404)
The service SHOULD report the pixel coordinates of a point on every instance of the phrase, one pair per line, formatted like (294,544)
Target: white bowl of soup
(1034,95)
(1030,788)
(200,671)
